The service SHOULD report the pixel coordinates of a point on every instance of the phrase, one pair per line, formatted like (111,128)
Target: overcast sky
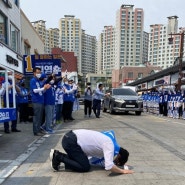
(95,14)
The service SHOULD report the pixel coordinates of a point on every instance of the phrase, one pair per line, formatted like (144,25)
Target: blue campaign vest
(23,99)
(36,97)
(112,136)
(68,97)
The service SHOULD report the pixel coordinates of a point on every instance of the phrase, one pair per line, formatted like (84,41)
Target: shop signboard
(10,59)
(150,84)
(49,64)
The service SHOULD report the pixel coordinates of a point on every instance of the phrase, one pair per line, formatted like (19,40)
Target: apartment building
(70,33)
(88,53)
(129,36)
(145,47)
(99,51)
(53,38)
(161,53)
(49,36)
(108,59)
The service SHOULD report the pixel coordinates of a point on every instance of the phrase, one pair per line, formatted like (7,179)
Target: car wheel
(126,112)
(103,107)
(111,109)
(138,113)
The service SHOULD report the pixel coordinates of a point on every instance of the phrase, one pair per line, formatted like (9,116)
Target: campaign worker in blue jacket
(68,98)
(37,90)
(10,95)
(49,104)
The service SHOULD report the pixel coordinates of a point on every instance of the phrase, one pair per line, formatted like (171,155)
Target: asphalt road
(156,146)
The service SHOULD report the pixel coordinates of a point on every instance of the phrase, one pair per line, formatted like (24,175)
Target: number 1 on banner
(28,64)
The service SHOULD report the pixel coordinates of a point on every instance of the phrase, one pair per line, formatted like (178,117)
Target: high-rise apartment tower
(129,36)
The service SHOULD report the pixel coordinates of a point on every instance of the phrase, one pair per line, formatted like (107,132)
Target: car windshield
(127,92)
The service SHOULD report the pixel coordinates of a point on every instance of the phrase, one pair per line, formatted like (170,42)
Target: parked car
(122,100)
(81,99)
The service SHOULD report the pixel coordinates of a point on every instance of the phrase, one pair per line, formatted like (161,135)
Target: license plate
(130,105)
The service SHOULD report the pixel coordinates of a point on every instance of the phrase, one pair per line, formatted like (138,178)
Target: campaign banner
(49,64)
(7,114)
(162,81)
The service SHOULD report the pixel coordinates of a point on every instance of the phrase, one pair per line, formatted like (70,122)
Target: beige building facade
(31,41)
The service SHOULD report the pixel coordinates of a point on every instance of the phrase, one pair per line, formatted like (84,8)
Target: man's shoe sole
(51,159)
(51,154)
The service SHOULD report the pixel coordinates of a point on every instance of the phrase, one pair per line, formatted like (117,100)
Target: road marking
(5,161)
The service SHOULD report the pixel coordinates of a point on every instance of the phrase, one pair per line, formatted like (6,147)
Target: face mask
(52,82)
(66,82)
(38,75)
(10,77)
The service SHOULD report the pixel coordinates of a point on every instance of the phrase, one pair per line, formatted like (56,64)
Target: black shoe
(15,130)
(7,131)
(38,134)
(54,162)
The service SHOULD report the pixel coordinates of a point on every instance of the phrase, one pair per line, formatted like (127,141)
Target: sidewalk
(16,147)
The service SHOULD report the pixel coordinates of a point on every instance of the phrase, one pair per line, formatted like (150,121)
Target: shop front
(10,63)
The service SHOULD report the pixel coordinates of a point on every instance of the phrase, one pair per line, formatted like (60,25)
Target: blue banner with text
(49,64)
(7,114)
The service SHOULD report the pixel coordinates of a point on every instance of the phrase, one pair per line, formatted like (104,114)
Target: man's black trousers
(76,159)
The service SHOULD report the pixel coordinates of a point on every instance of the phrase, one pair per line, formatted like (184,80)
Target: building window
(3,30)
(16,2)
(27,47)
(130,75)
(140,75)
(14,38)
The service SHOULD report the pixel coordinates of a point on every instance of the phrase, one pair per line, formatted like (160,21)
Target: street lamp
(181,34)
